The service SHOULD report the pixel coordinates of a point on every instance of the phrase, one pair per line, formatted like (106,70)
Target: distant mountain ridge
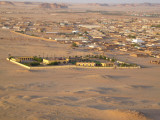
(138,4)
(52,5)
(126,4)
(6,3)
(28,3)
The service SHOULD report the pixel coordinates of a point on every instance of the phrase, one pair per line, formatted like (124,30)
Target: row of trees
(38,59)
(157,26)
(102,57)
(32,64)
(127,65)
(54,63)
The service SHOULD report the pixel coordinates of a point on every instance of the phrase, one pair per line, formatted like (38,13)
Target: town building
(58,60)
(86,64)
(23,59)
(107,64)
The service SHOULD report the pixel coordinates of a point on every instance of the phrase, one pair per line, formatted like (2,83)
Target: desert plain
(74,93)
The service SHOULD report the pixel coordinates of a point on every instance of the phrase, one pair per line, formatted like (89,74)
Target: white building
(139,41)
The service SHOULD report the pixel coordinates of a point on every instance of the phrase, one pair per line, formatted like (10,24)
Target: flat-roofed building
(86,64)
(155,61)
(138,55)
(90,26)
(58,60)
(23,59)
(107,64)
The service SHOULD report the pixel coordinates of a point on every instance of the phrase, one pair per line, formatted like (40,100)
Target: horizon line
(80,2)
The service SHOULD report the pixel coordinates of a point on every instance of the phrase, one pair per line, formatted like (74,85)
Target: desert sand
(73,93)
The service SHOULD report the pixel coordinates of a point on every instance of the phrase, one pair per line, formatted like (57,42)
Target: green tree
(74,45)
(38,59)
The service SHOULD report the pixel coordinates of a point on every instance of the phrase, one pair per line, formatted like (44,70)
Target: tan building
(51,60)
(23,59)
(86,64)
(107,64)
(155,61)
(139,55)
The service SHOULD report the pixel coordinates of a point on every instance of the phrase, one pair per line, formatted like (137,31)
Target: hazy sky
(92,1)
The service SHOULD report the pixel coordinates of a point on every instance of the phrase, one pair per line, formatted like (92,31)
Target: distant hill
(103,4)
(6,3)
(28,3)
(97,4)
(150,4)
(138,4)
(93,4)
(54,5)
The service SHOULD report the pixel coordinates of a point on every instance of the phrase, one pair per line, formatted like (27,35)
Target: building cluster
(136,36)
(86,61)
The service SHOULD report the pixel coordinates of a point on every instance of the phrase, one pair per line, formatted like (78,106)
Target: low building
(90,26)
(138,41)
(158,56)
(86,64)
(139,55)
(107,64)
(58,60)
(155,61)
(23,59)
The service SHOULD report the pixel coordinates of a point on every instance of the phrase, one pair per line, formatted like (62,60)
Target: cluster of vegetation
(34,35)
(157,26)
(73,63)
(38,59)
(127,65)
(11,57)
(74,45)
(131,36)
(97,56)
(32,64)
(135,45)
(98,64)
(86,33)
(102,57)
(20,32)
(54,63)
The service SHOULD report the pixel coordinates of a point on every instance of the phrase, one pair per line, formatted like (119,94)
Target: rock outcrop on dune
(54,5)
(6,3)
